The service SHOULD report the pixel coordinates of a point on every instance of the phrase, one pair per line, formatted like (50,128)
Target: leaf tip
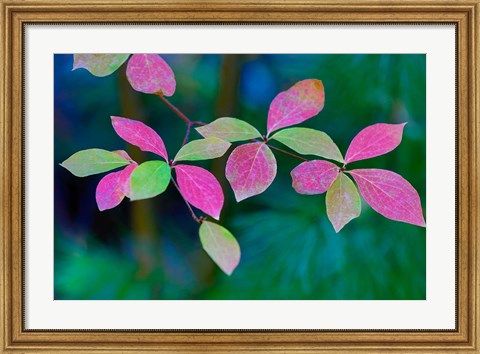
(101,208)
(239,197)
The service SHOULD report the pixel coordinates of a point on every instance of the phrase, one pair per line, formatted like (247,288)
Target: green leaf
(343,202)
(309,142)
(92,161)
(220,245)
(229,129)
(149,179)
(202,149)
(99,64)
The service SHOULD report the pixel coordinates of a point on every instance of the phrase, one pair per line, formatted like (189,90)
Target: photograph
(217,176)
(239,176)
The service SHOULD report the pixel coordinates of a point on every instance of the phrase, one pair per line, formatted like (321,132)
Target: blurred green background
(150,249)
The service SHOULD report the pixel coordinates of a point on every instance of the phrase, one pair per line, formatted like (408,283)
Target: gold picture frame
(464,14)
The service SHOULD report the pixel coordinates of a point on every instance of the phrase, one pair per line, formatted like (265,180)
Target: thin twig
(194,216)
(174,109)
(187,134)
(288,153)
(182,116)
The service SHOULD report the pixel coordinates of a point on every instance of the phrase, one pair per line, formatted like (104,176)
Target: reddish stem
(187,134)
(182,116)
(174,109)
(192,213)
(287,153)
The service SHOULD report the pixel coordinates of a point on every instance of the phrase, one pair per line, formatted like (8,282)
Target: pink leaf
(201,189)
(314,177)
(139,134)
(149,73)
(124,180)
(375,140)
(113,188)
(251,168)
(390,195)
(300,102)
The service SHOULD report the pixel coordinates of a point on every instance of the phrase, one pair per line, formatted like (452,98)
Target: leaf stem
(187,133)
(190,123)
(174,109)
(192,213)
(287,153)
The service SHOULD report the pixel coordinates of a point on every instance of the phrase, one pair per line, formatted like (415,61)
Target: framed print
(293,177)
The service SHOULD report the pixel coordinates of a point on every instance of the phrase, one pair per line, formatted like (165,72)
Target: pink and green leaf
(149,73)
(307,141)
(124,181)
(251,168)
(92,161)
(229,129)
(314,177)
(113,188)
(375,140)
(390,195)
(343,202)
(220,245)
(99,64)
(302,101)
(201,189)
(124,154)
(139,134)
(203,149)
(149,179)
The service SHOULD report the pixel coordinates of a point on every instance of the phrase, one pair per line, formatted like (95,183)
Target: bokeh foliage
(150,249)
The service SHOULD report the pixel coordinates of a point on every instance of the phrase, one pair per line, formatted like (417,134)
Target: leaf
(99,64)
(300,102)
(113,188)
(309,142)
(375,140)
(314,177)
(343,202)
(220,245)
(92,161)
(149,73)
(250,169)
(390,195)
(139,134)
(124,180)
(229,129)
(202,149)
(123,154)
(149,179)
(201,189)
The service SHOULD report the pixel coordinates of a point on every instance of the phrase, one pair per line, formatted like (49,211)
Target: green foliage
(229,129)
(220,244)
(149,179)
(92,161)
(309,142)
(292,252)
(203,149)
